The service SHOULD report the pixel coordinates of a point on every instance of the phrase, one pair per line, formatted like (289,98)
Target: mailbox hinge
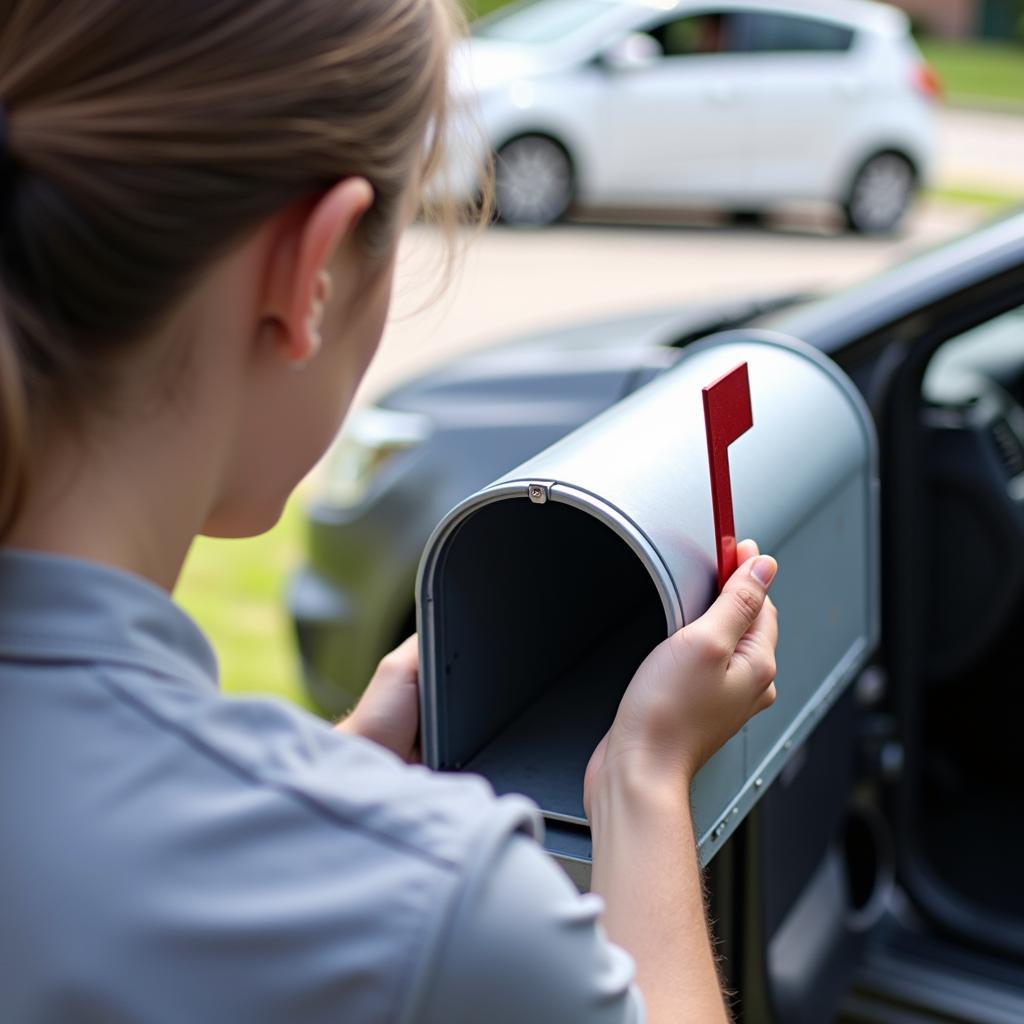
(538,493)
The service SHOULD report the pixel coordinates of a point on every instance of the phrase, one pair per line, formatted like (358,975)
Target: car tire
(746,218)
(534,181)
(880,195)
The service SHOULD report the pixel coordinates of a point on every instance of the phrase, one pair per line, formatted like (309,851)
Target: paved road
(979,150)
(512,281)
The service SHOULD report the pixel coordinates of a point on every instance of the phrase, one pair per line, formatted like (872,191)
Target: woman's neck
(127,502)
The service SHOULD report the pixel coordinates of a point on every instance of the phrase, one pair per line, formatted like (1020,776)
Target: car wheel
(533,181)
(745,218)
(881,194)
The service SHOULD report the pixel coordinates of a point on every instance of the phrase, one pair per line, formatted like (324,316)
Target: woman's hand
(696,689)
(389,711)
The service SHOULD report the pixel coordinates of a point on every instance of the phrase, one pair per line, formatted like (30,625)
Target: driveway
(981,151)
(509,281)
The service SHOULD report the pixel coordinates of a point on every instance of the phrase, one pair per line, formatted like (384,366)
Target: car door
(808,86)
(679,124)
(836,874)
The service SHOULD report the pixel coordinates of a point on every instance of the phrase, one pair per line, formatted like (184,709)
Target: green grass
(235,590)
(989,199)
(979,72)
(478,8)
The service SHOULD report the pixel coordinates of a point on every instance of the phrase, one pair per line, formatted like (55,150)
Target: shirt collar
(59,609)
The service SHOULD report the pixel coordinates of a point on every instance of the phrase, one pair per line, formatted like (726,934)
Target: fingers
(764,633)
(766,700)
(753,666)
(754,656)
(745,550)
(404,659)
(739,605)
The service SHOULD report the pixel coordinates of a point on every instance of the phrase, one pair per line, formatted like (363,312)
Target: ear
(299,264)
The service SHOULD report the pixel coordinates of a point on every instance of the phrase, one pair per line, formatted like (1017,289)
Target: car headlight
(371,439)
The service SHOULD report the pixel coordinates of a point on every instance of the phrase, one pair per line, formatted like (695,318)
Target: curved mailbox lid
(641,469)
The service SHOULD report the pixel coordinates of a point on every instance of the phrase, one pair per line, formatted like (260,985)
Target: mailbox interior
(543,614)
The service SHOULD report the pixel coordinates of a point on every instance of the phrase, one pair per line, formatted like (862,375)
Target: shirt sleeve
(524,945)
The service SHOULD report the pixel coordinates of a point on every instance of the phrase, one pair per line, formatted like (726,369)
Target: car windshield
(535,22)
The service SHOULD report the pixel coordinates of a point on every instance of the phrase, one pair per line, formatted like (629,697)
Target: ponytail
(13,430)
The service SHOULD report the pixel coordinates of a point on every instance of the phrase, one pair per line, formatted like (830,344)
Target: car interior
(967,774)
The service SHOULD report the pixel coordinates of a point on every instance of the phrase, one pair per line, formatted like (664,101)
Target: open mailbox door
(541,594)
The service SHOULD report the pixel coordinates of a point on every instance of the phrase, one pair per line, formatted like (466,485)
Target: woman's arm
(695,691)
(645,868)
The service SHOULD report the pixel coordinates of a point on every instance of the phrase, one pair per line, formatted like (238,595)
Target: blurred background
(749,191)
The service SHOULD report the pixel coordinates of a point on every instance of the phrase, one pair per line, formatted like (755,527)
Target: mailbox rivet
(735,811)
(538,493)
(758,783)
(788,745)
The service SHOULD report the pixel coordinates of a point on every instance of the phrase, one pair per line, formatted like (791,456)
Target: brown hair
(142,139)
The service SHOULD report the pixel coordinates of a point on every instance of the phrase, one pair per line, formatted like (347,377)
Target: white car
(740,105)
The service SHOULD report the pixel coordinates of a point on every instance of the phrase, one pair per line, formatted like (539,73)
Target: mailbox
(540,595)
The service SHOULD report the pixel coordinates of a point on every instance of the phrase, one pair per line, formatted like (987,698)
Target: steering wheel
(974,475)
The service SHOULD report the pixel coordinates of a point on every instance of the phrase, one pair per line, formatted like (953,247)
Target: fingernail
(764,569)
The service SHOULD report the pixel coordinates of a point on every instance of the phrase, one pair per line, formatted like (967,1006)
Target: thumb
(741,600)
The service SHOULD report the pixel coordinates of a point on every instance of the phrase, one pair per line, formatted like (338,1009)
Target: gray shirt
(170,855)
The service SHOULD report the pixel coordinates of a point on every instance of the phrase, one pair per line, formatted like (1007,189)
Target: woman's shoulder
(281,754)
(240,846)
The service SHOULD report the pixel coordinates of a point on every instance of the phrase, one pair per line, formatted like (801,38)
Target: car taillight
(927,82)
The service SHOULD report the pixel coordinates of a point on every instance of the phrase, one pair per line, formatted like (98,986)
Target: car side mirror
(632,52)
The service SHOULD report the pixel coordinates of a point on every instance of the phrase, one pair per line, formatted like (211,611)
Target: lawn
(235,590)
(979,73)
(992,201)
(478,8)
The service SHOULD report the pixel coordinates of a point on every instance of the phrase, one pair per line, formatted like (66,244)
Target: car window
(696,35)
(790,33)
(541,21)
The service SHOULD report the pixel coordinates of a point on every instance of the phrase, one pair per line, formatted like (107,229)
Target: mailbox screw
(735,811)
(538,493)
(758,783)
(719,830)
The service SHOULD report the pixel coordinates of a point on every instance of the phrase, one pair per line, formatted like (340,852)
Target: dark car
(880,875)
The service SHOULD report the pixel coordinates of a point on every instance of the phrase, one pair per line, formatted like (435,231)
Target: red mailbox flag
(727,415)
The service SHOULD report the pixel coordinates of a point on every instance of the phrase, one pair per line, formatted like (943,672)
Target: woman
(201,205)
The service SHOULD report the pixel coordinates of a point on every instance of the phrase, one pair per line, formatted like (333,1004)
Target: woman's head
(176,169)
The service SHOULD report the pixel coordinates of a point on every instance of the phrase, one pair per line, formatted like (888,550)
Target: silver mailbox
(541,594)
